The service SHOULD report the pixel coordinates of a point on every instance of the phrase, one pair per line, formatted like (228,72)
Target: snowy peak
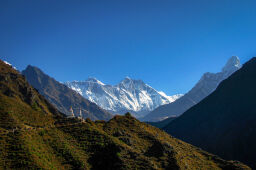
(171,98)
(6,62)
(131,84)
(129,95)
(205,86)
(232,64)
(94,80)
(128,80)
(126,83)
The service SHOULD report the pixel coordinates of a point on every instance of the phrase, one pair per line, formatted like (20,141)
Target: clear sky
(168,44)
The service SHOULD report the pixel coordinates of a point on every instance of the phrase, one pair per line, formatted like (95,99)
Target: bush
(128,114)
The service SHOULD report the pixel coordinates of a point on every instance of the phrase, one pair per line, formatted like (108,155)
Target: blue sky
(168,44)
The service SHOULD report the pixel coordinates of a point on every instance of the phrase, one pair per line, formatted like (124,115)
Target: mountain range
(35,135)
(62,97)
(224,122)
(205,86)
(129,95)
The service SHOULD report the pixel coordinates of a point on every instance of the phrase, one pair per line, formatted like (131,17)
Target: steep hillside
(34,135)
(129,95)
(224,123)
(163,123)
(206,85)
(63,97)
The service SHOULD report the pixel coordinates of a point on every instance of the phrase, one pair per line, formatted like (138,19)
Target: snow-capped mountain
(129,95)
(6,62)
(205,86)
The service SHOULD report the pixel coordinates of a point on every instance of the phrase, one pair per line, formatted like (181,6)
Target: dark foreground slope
(161,124)
(63,97)
(224,123)
(34,135)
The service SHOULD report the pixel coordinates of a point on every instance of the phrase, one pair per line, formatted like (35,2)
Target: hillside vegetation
(34,135)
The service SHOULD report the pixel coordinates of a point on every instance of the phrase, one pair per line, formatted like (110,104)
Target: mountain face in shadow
(35,135)
(224,123)
(161,124)
(63,97)
(206,85)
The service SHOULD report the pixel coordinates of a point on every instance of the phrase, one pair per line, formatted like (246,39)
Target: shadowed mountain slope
(224,123)
(161,124)
(63,97)
(34,135)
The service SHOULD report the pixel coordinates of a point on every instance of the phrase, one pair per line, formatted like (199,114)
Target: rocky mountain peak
(232,64)
(129,83)
(205,86)
(126,80)
(94,80)
(129,95)
(63,97)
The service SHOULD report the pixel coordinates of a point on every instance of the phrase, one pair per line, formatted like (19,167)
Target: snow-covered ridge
(129,95)
(171,98)
(9,64)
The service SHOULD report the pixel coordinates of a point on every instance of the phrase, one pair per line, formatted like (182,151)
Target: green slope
(34,135)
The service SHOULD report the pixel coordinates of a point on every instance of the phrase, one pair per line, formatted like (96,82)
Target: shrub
(128,114)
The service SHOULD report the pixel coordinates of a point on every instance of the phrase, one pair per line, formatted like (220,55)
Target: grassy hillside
(33,134)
